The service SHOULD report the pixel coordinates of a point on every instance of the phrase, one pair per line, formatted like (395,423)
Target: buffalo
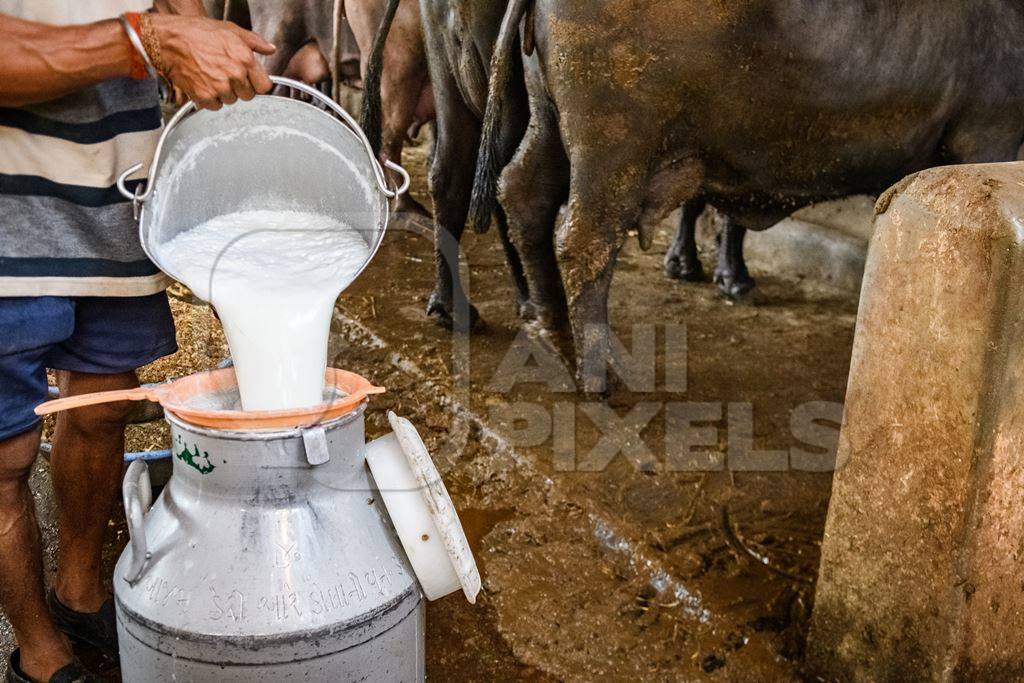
(757,106)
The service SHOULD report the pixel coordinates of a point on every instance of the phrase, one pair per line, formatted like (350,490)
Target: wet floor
(670,532)
(606,551)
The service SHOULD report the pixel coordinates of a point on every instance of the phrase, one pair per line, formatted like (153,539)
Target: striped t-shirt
(65,230)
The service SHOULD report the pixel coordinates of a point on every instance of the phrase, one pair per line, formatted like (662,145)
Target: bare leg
(86,464)
(44,649)
(731,275)
(681,260)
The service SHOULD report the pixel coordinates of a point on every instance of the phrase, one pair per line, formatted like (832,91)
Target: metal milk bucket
(271,153)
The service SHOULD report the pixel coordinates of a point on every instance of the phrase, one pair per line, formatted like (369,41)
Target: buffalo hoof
(441,312)
(406,204)
(735,287)
(677,269)
(527,310)
(608,388)
(558,343)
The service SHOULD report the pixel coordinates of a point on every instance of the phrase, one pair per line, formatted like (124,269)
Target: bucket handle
(139,196)
(137,493)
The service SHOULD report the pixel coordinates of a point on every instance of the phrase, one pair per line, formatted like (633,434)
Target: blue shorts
(101,335)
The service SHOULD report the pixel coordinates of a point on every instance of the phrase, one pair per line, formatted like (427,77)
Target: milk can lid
(438,503)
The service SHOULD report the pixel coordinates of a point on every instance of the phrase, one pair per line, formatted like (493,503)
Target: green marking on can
(201,463)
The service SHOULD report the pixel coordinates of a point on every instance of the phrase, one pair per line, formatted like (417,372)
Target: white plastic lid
(422,512)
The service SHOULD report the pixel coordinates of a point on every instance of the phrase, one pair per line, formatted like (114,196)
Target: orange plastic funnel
(198,399)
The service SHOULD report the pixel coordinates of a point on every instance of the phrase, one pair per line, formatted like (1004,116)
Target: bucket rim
(158,172)
(144,191)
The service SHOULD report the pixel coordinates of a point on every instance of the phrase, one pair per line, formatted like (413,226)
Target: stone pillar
(922,567)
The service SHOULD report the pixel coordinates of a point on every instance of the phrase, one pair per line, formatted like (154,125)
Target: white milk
(273,277)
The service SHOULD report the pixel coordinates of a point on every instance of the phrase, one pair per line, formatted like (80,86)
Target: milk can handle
(139,196)
(138,497)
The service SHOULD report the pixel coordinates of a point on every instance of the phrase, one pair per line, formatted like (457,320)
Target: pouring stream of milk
(273,277)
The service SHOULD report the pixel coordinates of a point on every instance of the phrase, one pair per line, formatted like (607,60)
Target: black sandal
(70,673)
(98,629)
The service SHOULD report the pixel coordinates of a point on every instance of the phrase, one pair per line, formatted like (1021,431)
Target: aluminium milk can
(274,556)
(264,567)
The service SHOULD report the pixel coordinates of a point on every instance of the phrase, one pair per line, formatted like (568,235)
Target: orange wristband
(139,69)
(151,43)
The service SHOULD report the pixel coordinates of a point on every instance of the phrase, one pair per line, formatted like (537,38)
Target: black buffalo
(757,106)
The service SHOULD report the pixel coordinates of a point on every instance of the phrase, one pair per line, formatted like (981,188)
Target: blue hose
(148,455)
(45,448)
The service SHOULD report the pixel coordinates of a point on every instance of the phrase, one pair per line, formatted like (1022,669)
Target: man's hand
(185,8)
(213,62)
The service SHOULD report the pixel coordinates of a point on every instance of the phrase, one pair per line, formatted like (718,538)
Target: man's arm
(186,8)
(41,62)
(213,62)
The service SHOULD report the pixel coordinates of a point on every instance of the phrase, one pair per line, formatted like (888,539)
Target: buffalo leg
(731,275)
(681,260)
(280,26)
(524,306)
(451,181)
(601,209)
(402,80)
(594,234)
(400,93)
(533,187)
